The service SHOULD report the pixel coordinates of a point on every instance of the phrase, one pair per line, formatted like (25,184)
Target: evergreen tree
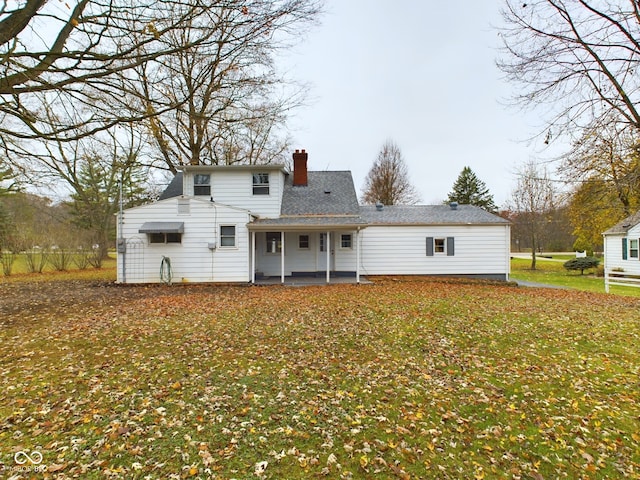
(468,189)
(95,199)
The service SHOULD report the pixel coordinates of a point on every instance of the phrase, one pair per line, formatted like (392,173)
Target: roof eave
(207,168)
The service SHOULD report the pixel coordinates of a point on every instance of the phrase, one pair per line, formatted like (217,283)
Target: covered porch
(305,251)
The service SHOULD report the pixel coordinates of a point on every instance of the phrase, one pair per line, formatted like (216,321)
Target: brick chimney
(300,168)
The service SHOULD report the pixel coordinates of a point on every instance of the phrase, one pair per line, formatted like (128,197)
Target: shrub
(36,259)
(582,264)
(60,258)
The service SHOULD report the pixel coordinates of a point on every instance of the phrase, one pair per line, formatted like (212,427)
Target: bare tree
(533,199)
(91,169)
(578,57)
(89,50)
(388,179)
(226,108)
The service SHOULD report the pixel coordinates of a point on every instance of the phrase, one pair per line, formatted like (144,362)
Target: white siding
(235,187)
(613,252)
(401,250)
(191,260)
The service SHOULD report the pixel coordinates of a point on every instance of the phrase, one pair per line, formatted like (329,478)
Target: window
(165,238)
(323,242)
(202,184)
(303,242)
(227,235)
(274,243)
(440,246)
(633,248)
(261,184)
(345,240)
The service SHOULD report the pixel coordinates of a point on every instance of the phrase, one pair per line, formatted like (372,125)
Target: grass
(551,271)
(401,379)
(20,273)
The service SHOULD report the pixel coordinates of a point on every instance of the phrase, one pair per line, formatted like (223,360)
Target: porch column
(358,255)
(253,257)
(281,257)
(328,249)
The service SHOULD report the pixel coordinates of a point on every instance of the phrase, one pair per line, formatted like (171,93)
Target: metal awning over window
(162,227)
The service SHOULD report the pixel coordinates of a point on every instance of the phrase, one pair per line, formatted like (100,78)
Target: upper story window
(202,184)
(261,184)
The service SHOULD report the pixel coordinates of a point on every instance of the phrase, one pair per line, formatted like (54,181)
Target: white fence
(621,279)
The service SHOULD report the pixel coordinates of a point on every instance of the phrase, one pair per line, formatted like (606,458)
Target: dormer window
(202,184)
(261,184)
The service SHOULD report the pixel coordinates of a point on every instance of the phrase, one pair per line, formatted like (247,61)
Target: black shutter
(624,249)
(450,246)
(429,246)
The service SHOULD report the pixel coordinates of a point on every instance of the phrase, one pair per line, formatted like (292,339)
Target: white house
(242,223)
(622,252)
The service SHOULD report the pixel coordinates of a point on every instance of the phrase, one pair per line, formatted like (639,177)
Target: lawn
(400,379)
(552,272)
(20,272)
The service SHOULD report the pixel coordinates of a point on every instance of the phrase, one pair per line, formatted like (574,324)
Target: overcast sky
(421,73)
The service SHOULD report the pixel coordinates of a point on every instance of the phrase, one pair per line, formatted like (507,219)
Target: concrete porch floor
(306,281)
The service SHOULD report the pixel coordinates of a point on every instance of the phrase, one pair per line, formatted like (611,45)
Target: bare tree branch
(388,179)
(578,56)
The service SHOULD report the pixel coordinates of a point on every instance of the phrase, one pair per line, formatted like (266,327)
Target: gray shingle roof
(317,221)
(174,189)
(624,225)
(429,215)
(326,193)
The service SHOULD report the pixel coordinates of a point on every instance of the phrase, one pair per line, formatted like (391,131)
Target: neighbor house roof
(429,215)
(623,226)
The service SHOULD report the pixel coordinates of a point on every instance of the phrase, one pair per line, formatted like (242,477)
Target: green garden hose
(165,270)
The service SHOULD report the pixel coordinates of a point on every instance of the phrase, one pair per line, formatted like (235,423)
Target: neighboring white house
(621,246)
(622,252)
(244,223)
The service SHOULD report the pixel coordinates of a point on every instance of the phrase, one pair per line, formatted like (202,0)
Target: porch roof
(309,222)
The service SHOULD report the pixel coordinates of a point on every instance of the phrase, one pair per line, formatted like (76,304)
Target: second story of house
(269,191)
(257,188)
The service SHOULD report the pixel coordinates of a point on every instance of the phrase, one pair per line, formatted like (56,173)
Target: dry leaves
(409,379)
